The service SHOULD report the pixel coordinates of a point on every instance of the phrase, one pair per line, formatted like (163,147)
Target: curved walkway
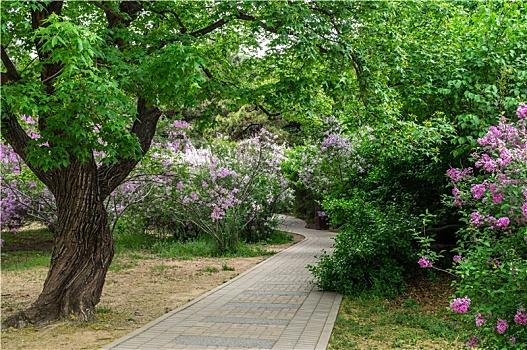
(274,305)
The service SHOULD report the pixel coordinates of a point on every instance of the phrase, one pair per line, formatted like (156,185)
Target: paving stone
(272,306)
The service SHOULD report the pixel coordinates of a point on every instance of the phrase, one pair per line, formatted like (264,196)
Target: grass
(418,319)
(226,267)
(32,248)
(27,248)
(210,269)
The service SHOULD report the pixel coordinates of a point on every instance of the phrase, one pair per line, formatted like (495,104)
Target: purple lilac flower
(502,222)
(487,163)
(457,259)
(456,175)
(472,342)
(460,305)
(477,219)
(478,191)
(513,340)
(425,263)
(521,317)
(521,112)
(480,320)
(501,326)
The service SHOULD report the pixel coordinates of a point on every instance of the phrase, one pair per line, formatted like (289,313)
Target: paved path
(271,306)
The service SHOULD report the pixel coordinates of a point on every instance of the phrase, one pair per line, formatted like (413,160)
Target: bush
(372,248)
(491,260)
(373,185)
(227,190)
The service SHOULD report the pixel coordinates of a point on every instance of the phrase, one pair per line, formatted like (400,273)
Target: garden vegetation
(404,121)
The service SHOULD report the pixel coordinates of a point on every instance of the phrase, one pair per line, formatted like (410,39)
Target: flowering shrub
(228,190)
(491,259)
(23,196)
(372,183)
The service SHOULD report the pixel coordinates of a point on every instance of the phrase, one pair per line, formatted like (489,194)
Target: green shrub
(372,249)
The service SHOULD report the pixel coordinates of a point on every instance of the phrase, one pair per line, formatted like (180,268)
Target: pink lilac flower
(502,222)
(521,317)
(501,326)
(477,219)
(460,305)
(472,342)
(425,263)
(480,320)
(513,340)
(457,259)
(478,191)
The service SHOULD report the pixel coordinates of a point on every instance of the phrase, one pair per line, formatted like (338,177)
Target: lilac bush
(491,260)
(22,196)
(329,165)
(230,191)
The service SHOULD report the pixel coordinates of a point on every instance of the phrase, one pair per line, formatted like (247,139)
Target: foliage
(228,191)
(372,249)
(492,252)
(373,183)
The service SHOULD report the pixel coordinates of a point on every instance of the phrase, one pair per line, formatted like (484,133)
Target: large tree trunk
(82,252)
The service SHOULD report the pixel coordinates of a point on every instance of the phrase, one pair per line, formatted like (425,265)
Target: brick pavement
(271,306)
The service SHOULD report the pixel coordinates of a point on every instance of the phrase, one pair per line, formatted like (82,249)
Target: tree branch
(19,141)
(12,73)
(108,11)
(209,28)
(111,176)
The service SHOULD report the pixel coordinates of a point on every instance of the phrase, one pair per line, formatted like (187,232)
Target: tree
(97,77)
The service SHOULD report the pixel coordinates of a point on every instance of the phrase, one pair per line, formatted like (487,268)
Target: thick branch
(144,128)
(12,74)
(108,11)
(19,141)
(209,28)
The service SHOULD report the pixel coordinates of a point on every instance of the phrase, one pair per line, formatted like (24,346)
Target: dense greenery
(376,99)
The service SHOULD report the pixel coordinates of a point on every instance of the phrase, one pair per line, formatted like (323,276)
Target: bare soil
(139,291)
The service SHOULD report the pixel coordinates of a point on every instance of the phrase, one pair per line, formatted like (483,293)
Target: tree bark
(82,252)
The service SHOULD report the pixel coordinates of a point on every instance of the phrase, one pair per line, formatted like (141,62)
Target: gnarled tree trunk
(82,252)
(83,247)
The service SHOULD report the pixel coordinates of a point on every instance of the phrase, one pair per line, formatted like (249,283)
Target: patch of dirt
(137,293)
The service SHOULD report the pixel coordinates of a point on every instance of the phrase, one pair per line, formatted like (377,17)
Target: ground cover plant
(415,319)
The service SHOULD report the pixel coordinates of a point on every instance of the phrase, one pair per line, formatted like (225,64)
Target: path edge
(194,301)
